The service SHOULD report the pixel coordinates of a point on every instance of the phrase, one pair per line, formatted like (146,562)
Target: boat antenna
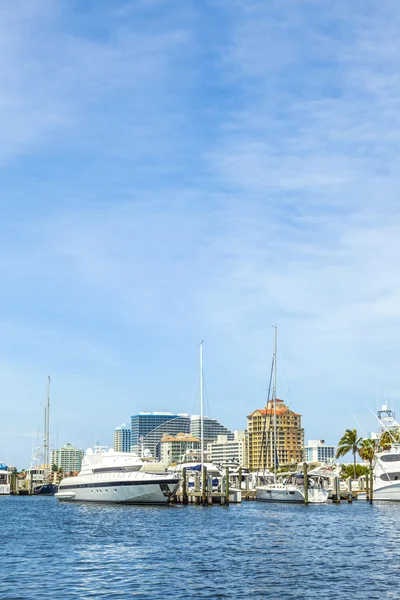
(201,405)
(274,398)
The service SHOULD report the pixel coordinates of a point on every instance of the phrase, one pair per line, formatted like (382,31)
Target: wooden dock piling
(305,476)
(204,486)
(185,499)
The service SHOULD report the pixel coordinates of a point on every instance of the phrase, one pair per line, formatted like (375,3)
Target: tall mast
(274,399)
(201,404)
(48,427)
(44,441)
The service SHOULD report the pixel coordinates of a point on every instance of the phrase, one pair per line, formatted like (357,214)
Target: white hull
(5,489)
(390,493)
(157,490)
(290,494)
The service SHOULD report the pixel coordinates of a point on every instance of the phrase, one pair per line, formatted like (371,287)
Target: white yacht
(109,476)
(292,490)
(386,474)
(5,487)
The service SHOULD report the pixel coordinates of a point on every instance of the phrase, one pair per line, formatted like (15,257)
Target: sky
(174,171)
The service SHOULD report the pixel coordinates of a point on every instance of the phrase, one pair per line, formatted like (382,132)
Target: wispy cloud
(172,175)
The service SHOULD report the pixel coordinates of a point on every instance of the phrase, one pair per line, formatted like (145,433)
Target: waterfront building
(211,429)
(224,451)
(260,437)
(147,429)
(68,458)
(173,448)
(318,451)
(122,438)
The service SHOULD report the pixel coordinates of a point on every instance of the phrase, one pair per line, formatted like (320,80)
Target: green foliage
(348,471)
(387,439)
(367,451)
(349,442)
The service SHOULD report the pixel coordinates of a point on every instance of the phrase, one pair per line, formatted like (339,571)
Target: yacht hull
(290,496)
(126,492)
(5,489)
(388,493)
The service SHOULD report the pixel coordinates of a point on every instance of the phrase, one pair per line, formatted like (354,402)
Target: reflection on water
(255,551)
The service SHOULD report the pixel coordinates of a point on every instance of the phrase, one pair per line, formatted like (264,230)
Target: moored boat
(118,477)
(5,485)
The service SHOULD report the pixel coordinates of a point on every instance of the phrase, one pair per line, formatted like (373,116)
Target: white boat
(386,473)
(5,484)
(121,477)
(291,488)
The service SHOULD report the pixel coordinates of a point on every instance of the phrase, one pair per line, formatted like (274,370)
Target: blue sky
(178,170)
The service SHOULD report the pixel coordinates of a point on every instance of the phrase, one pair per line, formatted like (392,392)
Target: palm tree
(367,451)
(349,442)
(387,439)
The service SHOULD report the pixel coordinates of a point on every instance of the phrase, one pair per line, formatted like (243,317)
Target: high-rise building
(147,429)
(68,458)
(260,441)
(224,451)
(173,448)
(211,429)
(122,438)
(317,451)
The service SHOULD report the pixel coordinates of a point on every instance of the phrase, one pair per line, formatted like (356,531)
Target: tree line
(365,448)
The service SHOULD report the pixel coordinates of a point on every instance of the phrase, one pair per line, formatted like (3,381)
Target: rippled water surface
(253,550)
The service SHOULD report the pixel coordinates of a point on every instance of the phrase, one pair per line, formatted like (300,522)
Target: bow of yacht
(120,477)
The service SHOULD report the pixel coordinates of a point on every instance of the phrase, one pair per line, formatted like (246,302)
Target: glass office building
(147,429)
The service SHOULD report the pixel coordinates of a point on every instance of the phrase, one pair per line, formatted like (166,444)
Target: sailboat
(292,487)
(46,487)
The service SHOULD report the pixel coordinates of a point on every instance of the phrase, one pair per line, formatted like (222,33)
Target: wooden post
(31,483)
(204,486)
(336,491)
(349,491)
(227,486)
(371,487)
(185,499)
(305,476)
(367,485)
(240,478)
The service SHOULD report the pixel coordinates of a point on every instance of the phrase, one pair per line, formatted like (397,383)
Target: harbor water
(253,550)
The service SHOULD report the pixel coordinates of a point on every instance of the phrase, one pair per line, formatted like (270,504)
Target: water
(253,550)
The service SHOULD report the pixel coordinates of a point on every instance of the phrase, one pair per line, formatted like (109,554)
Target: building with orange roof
(172,448)
(260,437)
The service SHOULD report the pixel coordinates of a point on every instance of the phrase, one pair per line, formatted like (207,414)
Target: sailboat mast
(201,405)
(44,441)
(274,400)
(48,426)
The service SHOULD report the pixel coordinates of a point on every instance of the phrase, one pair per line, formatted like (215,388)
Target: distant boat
(5,485)
(46,489)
